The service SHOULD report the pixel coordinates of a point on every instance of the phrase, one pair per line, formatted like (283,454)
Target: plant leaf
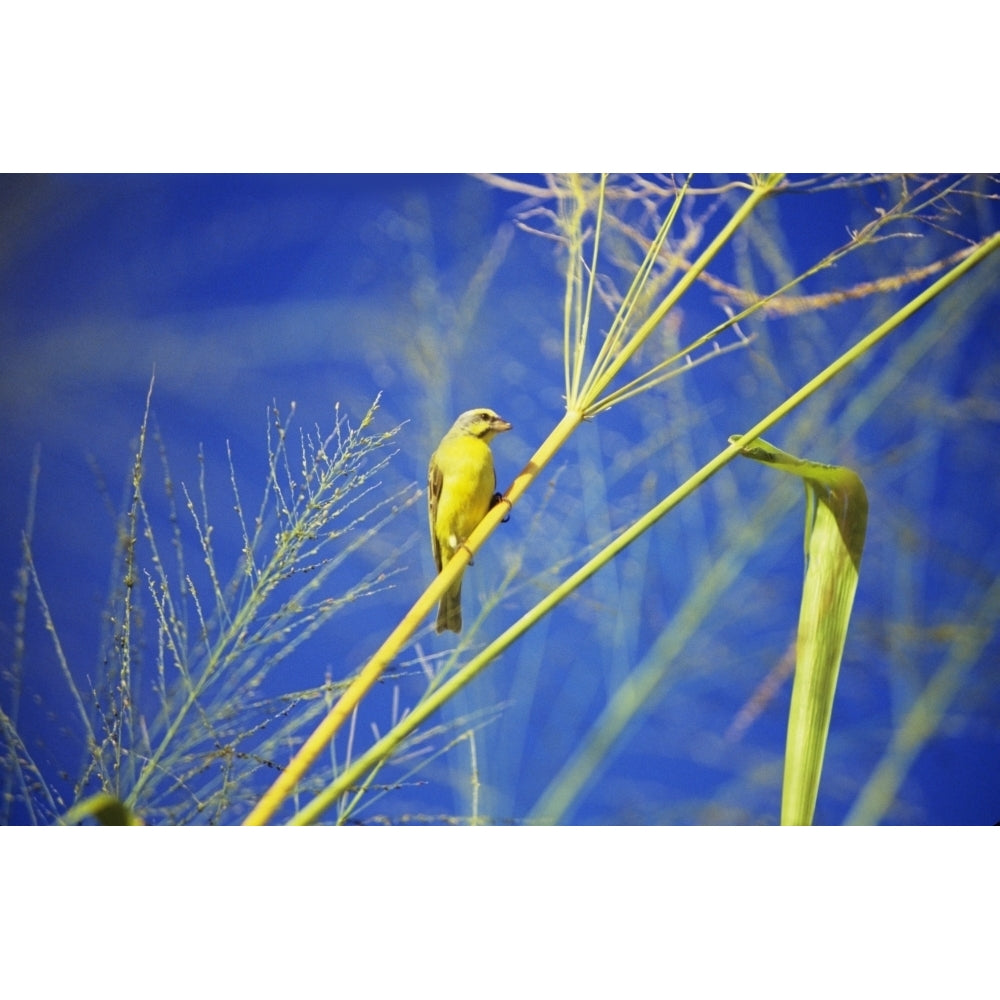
(836,522)
(105,808)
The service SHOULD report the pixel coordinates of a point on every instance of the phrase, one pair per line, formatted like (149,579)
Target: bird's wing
(434,481)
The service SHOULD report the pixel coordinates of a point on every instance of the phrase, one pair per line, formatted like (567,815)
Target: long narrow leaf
(836,522)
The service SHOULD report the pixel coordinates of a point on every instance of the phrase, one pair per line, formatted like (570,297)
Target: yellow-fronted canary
(461,487)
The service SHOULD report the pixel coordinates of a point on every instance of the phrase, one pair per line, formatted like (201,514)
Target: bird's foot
(499,498)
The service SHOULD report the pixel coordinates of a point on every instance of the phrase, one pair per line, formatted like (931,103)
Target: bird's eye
(484,416)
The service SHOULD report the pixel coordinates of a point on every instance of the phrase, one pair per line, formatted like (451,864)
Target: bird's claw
(500,498)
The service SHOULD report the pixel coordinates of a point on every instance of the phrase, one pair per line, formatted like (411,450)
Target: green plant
(179,743)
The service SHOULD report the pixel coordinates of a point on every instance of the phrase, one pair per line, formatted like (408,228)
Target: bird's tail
(450,609)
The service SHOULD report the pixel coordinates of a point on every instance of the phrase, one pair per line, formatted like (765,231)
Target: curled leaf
(835,527)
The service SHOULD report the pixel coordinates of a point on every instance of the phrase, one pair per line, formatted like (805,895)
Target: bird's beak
(498,424)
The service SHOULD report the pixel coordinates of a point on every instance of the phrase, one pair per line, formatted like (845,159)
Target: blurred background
(245,294)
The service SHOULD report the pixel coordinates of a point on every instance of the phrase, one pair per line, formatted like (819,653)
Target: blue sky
(243,292)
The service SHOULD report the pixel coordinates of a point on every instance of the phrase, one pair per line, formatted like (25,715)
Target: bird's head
(481,423)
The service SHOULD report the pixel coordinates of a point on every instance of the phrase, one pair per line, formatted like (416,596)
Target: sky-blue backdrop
(242,291)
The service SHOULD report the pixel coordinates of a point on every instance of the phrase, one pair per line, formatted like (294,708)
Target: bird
(461,488)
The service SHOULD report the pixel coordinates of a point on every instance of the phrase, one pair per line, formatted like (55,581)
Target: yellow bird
(461,488)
